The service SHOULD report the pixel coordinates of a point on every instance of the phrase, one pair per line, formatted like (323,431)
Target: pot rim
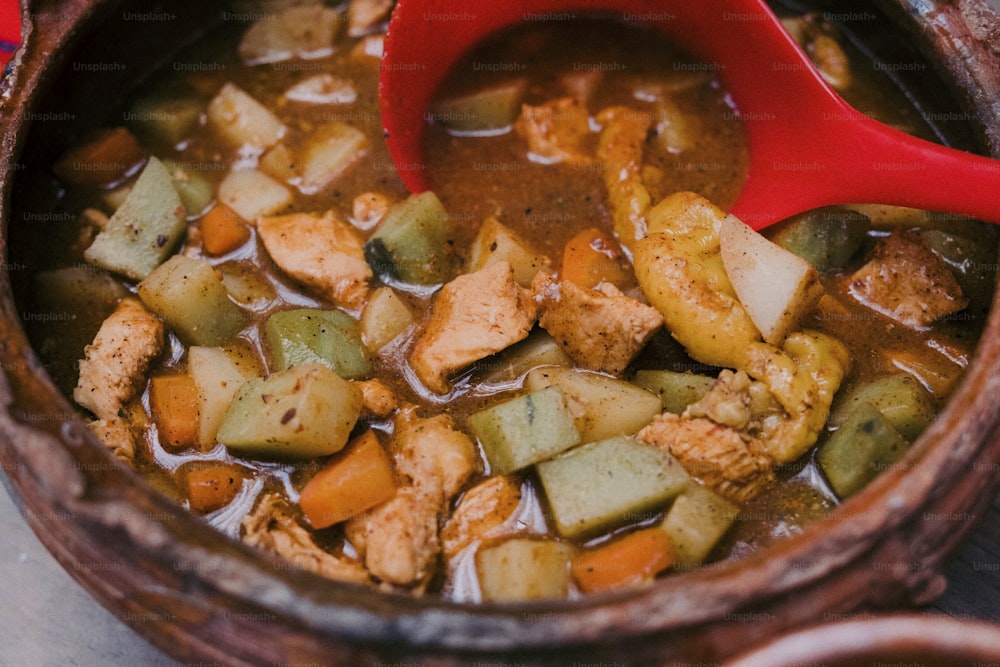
(961,641)
(172,537)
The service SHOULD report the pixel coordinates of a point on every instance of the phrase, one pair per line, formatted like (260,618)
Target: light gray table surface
(47,619)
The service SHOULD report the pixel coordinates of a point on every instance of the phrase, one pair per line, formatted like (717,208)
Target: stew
(563,370)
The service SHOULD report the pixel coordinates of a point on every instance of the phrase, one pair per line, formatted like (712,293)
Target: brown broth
(549,203)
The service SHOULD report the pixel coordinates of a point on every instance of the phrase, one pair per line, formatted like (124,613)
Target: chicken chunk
(118,435)
(363,16)
(474,316)
(378,399)
(399,539)
(322,252)
(718,438)
(113,370)
(368,208)
(720,456)
(270,526)
(907,282)
(437,458)
(600,329)
(481,513)
(556,131)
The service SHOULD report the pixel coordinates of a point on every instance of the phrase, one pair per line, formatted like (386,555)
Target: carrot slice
(106,159)
(355,480)
(212,487)
(628,560)
(590,258)
(174,402)
(223,230)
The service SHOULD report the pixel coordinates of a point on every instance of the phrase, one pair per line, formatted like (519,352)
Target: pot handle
(47,27)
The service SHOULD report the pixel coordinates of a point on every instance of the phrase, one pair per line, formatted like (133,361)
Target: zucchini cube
(696,521)
(827,238)
(603,484)
(145,229)
(525,430)
(602,406)
(865,445)
(312,335)
(412,242)
(901,399)
(676,390)
(483,111)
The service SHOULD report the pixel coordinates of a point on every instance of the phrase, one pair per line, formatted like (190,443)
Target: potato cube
(189,296)
(299,413)
(243,121)
(524,569)
(602,406)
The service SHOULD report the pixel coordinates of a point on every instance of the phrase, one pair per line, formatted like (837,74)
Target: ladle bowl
(807,146)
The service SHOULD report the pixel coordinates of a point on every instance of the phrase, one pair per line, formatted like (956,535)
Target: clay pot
(202,597)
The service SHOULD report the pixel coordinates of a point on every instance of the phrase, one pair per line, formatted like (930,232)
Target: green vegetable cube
(412,242)
(603,484)
(827,238)
(901,399)
(538,349)
(303,412)
(676,390)
(145,228)
(487,110)
(525,430)
(696,521)
(971,258)
(865,445)
(166,121)
(189,296)
(311,335)
(195,191)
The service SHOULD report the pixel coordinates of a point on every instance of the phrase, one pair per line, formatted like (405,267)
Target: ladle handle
(912,172)
(870,163)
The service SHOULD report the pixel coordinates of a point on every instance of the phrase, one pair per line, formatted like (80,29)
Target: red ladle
(808,147)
